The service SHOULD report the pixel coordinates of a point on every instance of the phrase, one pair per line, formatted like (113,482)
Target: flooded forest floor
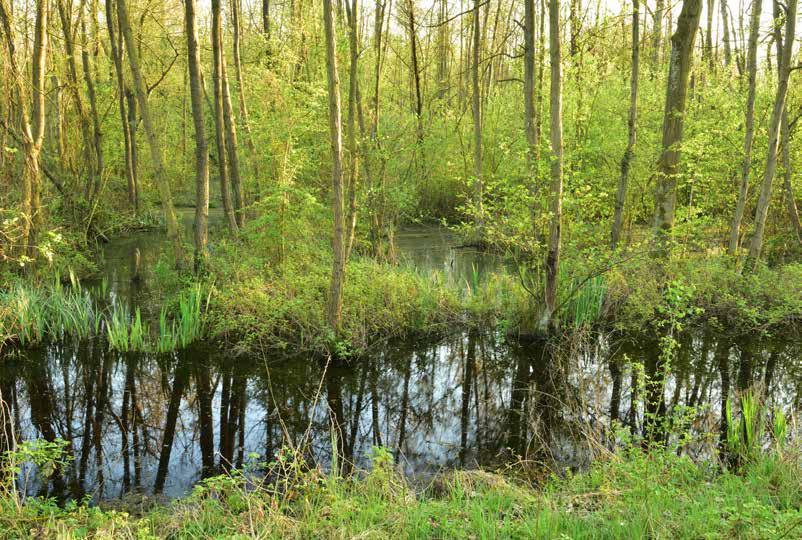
(142,403)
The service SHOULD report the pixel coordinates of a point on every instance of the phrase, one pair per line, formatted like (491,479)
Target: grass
(31,314)
(630,495)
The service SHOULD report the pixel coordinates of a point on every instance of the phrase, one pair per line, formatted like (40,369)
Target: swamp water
(160,422)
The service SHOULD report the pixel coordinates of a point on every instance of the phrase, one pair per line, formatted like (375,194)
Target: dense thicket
(556,133)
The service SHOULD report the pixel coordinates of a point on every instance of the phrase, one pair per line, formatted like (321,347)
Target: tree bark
(626,161)
(33,123)
(657,31)
(116,54)
(219,120)
(65,18)
(746,164)
(725,23)
(556,119)
(476,110)
(679,70)
(232,147)
(201,147)
(173,229)
(783,73)
(97,133)
(529,77)
(353,150)
(335,301)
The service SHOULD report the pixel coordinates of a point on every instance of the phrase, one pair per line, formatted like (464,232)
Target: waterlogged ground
(161,422)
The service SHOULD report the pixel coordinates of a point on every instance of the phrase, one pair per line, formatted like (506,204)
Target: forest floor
(636,495)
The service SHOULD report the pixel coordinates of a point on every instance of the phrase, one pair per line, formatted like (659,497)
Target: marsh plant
(32,314)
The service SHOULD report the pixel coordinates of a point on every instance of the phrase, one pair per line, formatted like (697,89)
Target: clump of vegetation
(634,494)
(32,314)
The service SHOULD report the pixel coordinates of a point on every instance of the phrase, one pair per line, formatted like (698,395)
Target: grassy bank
(629,495)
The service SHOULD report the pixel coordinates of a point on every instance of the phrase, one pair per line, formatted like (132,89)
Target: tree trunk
(236,13)
(746,164)
(626,161)
(725,23)
(353,150)
(679,70)
(116,54)
(65,17)
(335,301)
(476,109)
(657,31)
(556,206)
(266,18)
(783,73)
(529,77)
(33,123)
(232,147)
(219,121)
(201,148)
(790,201)
(173,230)
(97,133)
(709,34)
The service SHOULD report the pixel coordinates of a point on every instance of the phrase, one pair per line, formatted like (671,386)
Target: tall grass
(32,314)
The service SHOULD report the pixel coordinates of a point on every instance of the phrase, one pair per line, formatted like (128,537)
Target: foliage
(630,495)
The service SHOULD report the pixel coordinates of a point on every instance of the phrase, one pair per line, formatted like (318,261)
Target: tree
(679,70)
(201,149)
(556,158)
(783,74)
(626,161)
(476,109)
(173,229)
(219,117)
(32,123)
(746,164)
(115,43)
(335,300)
(529,77)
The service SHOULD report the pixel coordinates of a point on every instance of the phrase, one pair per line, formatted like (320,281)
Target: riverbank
(629,496)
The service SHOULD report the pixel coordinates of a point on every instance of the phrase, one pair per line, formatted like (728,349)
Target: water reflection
(159,423)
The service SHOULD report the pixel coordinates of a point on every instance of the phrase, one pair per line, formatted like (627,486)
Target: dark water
(161,422)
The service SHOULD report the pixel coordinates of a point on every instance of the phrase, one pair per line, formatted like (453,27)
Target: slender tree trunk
(413,44)
(626,161)
(783,73)
(65,17)
(236,13)
(541,67)
(219,121)
(657,31)
(33,123)
(790,201)
(529,78)
(173,230)
(679,70)
(232,147)
(353,150)
(746,164)
(476,109)
(709,34)
(201,147)
(556,129)
(266,18)
(116,54)
(573,17)
(97,133)
(725,23)
(335,301)
(443,38)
